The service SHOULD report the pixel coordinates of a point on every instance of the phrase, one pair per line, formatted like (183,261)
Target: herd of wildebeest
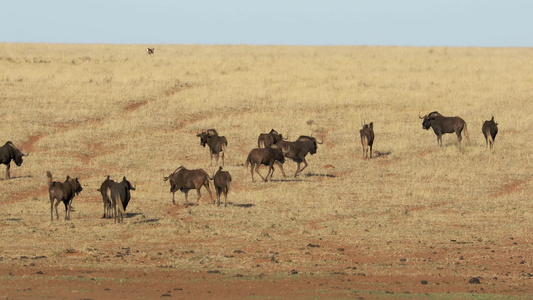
(272,150)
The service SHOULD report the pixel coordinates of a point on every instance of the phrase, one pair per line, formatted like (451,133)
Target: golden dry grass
(93,110)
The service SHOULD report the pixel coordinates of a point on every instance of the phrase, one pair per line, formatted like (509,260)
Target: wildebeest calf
(105,199)
(267,139)
(183,179)
(9,152)
(62,192)
(150,51)
(367,139)
(119,194)
(267,157)
(222,180)
(217,144)
(490,130)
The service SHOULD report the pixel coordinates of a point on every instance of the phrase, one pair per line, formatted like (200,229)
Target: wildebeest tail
(466,133)
(50,178)
(247,162)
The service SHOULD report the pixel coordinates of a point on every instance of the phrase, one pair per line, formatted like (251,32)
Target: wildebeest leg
(120,209)
(370,151)
(57,213)
(206,184)
(173,201)
(67,207)
(257,171)
(226,197)
(51,208)
(199,196)
(8,166)
(219,191)
(280,165)
(252,171)
(186,198)
(216,158)
(270,171)
(300,170)
(439,140)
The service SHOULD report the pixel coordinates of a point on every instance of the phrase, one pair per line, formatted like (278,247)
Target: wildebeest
(265,156)
(105,199)
(490,129)
(267,139)
(367,139)
(222,181)
(215,142)
(9,152)
(183,179)
(297,150)
(62,192)
(442,125)
(119,194)
(150,51)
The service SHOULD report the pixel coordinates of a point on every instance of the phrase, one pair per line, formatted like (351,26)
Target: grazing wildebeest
(150,51)
(183,179)
(267,157)
(119,194)
(490,129)
(222,181)
(267,139)
(297,150)
(9,152)
(215,142)
(442,125)
(62,192)
(105,199)
(367,138)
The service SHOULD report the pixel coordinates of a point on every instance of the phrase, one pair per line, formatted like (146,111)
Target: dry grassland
(416,220)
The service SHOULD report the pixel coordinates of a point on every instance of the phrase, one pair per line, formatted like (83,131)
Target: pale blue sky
(488,23)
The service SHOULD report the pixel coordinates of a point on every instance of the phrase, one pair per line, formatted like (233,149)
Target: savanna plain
(416,220)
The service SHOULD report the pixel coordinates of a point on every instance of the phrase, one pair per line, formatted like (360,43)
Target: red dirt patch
(513,187)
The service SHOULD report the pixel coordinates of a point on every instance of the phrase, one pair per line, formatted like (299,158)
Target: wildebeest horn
(321,142)
(420,116)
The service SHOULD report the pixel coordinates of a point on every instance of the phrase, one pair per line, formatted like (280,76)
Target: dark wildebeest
(490,129)
(215,142)
(105,199)
(119,194)
(9,152)
(265,156)
(222,181)
(62,192)
(297,150)
(267,139)
(367,138)
(183,179)
(150,51)
(442,125)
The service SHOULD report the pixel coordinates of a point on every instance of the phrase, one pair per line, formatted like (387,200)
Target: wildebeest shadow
(244,205)
(319,175)
(285,180)
(14,219)
(154,220)
(131,215)
(17,177)
(378,154)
